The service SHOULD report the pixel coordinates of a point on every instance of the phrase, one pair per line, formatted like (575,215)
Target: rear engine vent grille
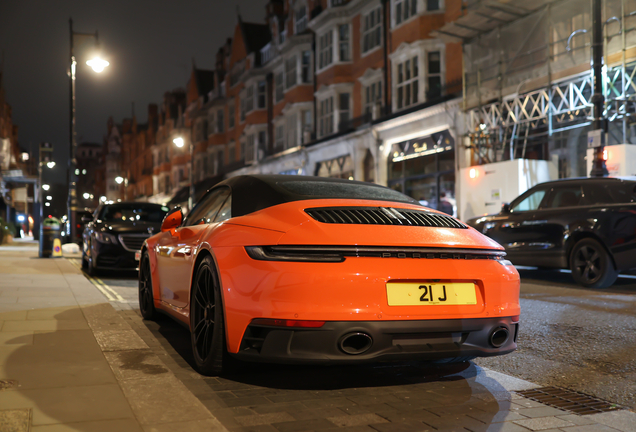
(382,216)
(569,400)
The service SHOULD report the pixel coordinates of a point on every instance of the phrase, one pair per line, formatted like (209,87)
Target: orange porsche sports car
(315,270)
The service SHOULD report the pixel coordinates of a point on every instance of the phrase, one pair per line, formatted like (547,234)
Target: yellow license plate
(409,294)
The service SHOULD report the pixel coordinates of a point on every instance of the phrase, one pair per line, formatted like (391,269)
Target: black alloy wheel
(592,265)
(146,300)
(207,326)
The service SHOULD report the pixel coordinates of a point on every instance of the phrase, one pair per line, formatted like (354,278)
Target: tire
(146,299)
(207,327)
(592,265)
(84,261)
(90,266)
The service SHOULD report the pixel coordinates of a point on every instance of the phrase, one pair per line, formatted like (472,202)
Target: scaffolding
(527,77)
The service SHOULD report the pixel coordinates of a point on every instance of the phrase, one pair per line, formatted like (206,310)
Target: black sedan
(114,234)
(587,225)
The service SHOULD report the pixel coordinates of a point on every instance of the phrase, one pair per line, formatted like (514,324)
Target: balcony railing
(267,53)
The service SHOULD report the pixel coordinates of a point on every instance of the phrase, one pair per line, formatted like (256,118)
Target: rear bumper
(390,341)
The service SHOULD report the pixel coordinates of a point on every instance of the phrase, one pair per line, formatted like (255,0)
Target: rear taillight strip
(340,253)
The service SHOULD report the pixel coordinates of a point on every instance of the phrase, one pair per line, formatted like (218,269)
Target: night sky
(150,45)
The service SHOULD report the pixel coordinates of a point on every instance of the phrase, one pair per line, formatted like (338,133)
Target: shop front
(424,168)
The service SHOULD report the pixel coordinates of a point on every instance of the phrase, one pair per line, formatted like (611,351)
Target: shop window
(340,167)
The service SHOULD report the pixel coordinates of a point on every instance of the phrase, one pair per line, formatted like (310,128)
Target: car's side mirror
(174,219)
(505,208)
(86,219)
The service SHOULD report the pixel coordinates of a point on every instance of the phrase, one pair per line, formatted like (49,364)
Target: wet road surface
(577,338)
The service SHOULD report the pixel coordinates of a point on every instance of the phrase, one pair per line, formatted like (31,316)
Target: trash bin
(50,238)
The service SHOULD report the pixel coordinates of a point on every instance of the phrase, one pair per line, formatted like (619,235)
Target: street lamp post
(180,142)
(98,65)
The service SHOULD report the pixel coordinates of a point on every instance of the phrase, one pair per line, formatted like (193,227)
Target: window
(221,158)
(290,72)
(279,87)
(407,83)
(343,42)
(205,168)
(232,114)
(306,67)
(261,94)
(564,197)
(220,121)
(250,150)
(432,5)
(528,201)
(291,131)
(231,152)
(301,19)
(325,44)
(344,107)
(242,147)
(305,118)
(434,75)
(595,194)
(372,30)
(372,96)
(280,137)
(404,9)
(205,211)
(326,117)
(225,212)
(211,122)
(249,99)
(262,141)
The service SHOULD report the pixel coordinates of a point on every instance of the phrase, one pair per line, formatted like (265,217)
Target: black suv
(115,233)
(587,225)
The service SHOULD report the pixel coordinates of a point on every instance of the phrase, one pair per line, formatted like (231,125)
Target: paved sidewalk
(70,362)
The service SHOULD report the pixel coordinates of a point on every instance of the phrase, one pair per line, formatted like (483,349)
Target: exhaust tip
(499,337)
(355,343)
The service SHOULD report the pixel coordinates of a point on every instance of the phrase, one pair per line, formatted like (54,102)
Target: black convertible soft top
(251,193)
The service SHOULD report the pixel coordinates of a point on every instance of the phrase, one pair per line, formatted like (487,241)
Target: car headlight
(105,238)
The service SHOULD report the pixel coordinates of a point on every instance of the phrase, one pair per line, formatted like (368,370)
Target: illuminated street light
(103,199)
(98,64)
(48,204)
(49,197)
(46,187)
(119,180)
(180,142)
(86,195)
(50,164)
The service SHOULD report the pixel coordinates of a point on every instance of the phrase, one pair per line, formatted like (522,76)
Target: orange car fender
(216,242)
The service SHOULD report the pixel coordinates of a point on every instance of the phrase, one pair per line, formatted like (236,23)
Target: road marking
(109,293)
(118,297)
